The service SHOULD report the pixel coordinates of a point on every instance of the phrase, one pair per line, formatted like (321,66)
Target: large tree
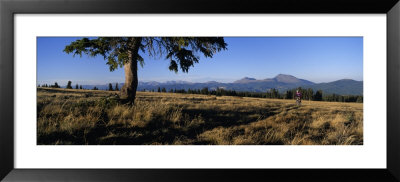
(182,52)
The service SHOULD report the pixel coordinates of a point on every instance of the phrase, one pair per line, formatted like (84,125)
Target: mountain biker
(298,97)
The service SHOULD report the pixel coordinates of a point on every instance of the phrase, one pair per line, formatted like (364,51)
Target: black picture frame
(8,8)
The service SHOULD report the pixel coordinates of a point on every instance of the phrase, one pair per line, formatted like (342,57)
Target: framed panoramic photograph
(199,91)
(152,106)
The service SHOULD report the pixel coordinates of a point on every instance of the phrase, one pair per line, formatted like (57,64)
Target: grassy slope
(99,117)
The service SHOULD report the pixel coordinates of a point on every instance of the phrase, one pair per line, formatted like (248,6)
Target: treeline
(307,94)
(69,86)
(50,86)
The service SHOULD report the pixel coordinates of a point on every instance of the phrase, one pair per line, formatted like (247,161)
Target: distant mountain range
(281,82)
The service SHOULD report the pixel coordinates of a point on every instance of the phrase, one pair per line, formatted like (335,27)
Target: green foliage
(110,87)
(180,51)
(359,99)
(343,98)
(116,87)
(55,85)
(204,91)
(274,94)
(113,49)
(289,94)
(318,95)
(309,94)
(77,86)
(69,85)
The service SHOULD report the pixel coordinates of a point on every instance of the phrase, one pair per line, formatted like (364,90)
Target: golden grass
(100,117)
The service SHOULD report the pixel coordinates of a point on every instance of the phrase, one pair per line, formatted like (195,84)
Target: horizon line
(105,83)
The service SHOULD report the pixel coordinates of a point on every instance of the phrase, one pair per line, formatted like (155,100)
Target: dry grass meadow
(81,117)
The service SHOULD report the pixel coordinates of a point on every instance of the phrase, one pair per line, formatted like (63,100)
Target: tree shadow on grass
(157,130)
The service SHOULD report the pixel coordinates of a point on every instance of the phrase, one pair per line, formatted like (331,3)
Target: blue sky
(317,59)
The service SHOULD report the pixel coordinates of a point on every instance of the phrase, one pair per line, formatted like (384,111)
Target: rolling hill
(282,82)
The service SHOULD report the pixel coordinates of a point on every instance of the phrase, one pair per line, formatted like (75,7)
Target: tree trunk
(128,91)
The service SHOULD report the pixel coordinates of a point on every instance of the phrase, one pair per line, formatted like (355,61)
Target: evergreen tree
(126,52)
(159,89)
(56,85)
(359,99)
(77,86)
(204,91)
(110,88)
(80,87)
(289,94)
(116,87)
(310,93)
(163,90)
(318,95)
(69,85)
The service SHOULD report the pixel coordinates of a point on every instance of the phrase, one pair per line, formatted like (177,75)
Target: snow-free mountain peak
(286,78)
(245,80)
